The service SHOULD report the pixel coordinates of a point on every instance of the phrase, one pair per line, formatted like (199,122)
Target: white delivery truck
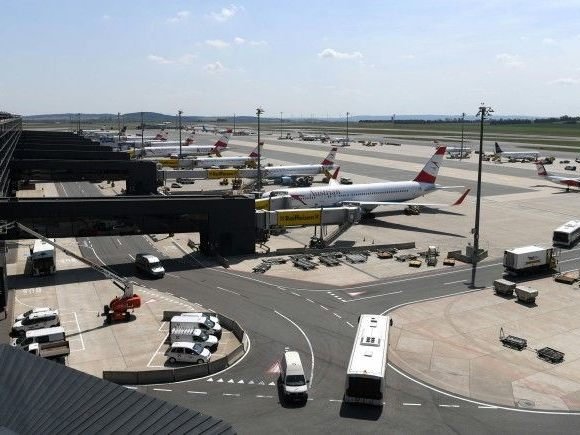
(195,322)
(53,350)
(528,260)
(44,335)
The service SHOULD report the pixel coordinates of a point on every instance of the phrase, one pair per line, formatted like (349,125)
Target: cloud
(226,13)
(509,60)
(548,41)
(567,81)
(180,16)
(106,17)
(409,56)
(185,59)
(214,68)
(239,41)
(331,53)
(159,59)
(217,43)
(256,43)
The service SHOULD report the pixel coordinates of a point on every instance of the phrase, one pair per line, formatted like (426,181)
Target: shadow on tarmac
(360,412)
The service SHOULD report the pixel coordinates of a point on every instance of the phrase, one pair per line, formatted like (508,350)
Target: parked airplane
(557,179)
(309,138)
(186,149)
(161,136)
(457,152)
(293,171)
(343,141)
(371,195)
(524,156)
(224,162)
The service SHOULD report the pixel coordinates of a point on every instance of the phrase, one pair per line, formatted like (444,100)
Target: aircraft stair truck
(50,350)
(118,308)
(529,260)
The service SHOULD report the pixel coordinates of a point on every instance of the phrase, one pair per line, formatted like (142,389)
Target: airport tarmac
(517,209)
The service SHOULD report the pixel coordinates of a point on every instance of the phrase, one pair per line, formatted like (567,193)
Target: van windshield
(198,349)
(295,380)
(154,264)
(209,323)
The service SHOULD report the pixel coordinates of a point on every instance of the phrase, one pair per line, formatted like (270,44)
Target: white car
(205,339)
(182,351)
(209,324)
(44,319)
(31,311)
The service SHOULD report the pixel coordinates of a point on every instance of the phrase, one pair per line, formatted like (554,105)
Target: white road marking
(374,296)
(220,380)
(161,327)
(159,347)
(79,329)
(454,282)
(210,380)
(309,345)
(241,381)
(130,388)
(271,383)
(334,400)
(231,381)
(229,291)
(449,406)
(231,394)
(259,396)
(161,389)
(118,241)
(487,407)
(411,404)
(131,257)
(295,294)
(350,324)
(310,300)
(197,392)
(323,307)
(337,315)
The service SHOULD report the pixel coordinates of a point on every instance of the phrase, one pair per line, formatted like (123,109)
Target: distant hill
(154,117)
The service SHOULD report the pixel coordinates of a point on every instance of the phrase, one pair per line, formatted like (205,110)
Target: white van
(44,319)
(196,321)
(187,352)
(44,335)
(292,379)
(32,311)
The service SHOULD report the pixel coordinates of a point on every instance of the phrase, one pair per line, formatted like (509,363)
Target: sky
(313,58)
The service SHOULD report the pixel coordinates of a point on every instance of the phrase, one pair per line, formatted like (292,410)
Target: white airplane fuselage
(166,151)
(273,172)
(332,195)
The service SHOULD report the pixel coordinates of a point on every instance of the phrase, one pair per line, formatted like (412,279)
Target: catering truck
(50,350)
(529,260)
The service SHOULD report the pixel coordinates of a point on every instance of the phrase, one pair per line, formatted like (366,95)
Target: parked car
(44,319)
(31,311)
(195,336)
(176,186)
(345,180)
(564,161)
(150,265)
(577,159)
(570,168)
(292,380)
(188,352)
(186,180)
(209,324)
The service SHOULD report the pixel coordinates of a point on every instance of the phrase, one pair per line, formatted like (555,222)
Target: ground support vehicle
(526,294)
(529,259)
(50,350)
(504,287)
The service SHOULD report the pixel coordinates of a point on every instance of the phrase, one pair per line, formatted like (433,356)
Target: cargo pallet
(551,355)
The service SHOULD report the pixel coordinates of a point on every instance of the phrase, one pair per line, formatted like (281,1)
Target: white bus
(567,235)
(365,376)
(42,258)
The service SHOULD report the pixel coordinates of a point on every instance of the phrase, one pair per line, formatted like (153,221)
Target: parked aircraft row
(170,148)
(368,196)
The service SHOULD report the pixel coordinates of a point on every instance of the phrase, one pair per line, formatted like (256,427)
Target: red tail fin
(461,198)
(429,172)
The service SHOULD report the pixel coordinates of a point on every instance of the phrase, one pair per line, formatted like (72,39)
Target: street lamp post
(281,125)
(462,121)
(142,131)
(484,112)
(179,112)
(234,124)
(259,111)
(347,140)
(119,126)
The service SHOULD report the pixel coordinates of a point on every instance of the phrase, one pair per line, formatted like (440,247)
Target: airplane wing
(392,203)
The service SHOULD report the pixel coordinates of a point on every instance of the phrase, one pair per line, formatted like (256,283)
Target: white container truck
(52,350)
(195,322)
(44,335)
(528,260)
